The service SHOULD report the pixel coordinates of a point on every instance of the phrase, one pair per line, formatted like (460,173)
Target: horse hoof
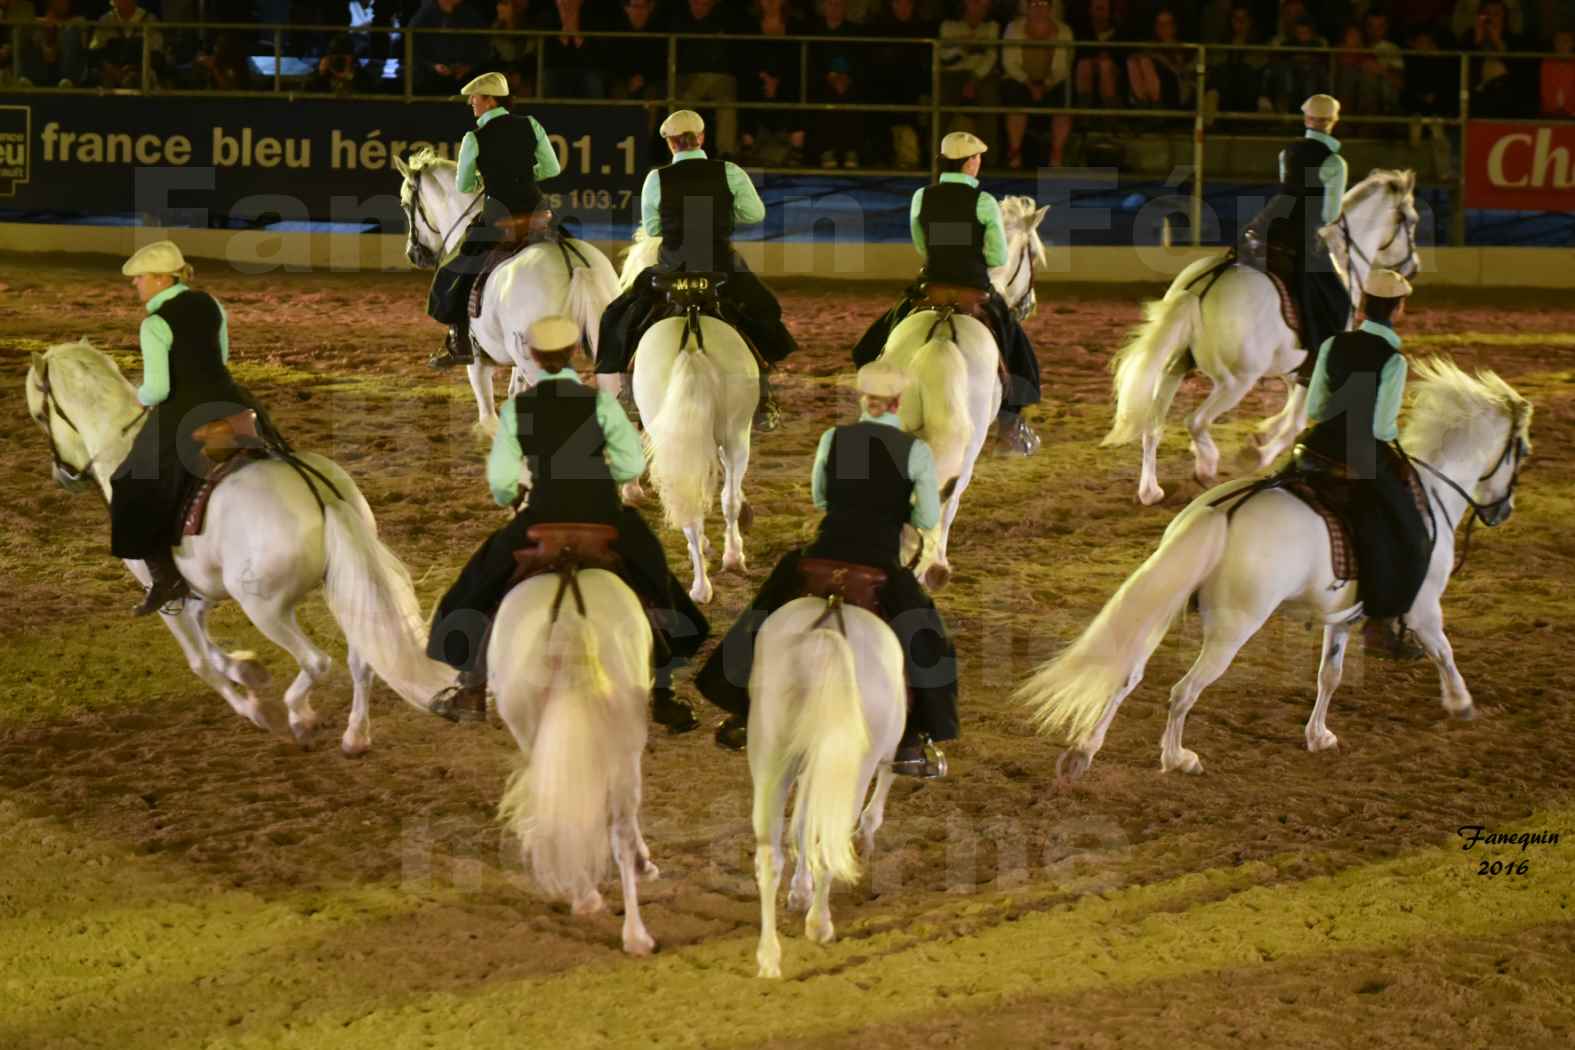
(1206,478)
(248,672)
(770,969)
(734,564)
(746,517)
(589,904)
(700,595)
(1465,714)
(821,932)
(1072,764)
(1150,496)
(937,576)
(1325,741)
(1185,762)
(798,900)
(639,945)
(649,870)
(305,733)
(354,747)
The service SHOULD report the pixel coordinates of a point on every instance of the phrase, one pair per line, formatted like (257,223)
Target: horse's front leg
(735,510)
(189,630)
(480,371)
(1290,421)
(939,572)
(1426,621)
(1227,393)
(1330,668)
(700,590)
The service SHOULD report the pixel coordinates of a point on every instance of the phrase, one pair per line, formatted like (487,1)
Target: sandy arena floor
(172,877)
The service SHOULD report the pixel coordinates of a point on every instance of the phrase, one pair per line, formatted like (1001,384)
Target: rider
(958,230)
(870,478)
(1354,402)
(511,154)
(693,204)
(573,478)
(1313,178)
(185,384)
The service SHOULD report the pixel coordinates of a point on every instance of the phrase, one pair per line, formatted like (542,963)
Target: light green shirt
(1391,386)
(747,206)
(1333,173)
(157,339)
(624,454)
(921,471)
(469,150)
(988,212)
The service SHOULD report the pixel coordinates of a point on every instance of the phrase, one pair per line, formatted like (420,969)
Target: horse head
(1024,250)
(433,206)
(1475,426)
(71,384)
(1378,225)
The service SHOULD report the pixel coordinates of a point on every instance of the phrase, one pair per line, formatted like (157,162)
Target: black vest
(1302,161)
(506,159)
(198,376)
(953,235)
(868,494)
(1354,367)
(562,439)
(697,216)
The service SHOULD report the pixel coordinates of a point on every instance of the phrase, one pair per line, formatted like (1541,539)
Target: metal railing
(932,110)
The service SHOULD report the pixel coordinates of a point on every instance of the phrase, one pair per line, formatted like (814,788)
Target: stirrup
(456,351)
(1020,439)
(929,765)
(459,703)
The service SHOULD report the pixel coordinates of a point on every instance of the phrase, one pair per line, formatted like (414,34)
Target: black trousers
(1017,353)
(747,304)
(448,300)
(464,616)
(930,659)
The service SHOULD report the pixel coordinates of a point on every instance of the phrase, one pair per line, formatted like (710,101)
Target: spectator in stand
(1238,75)
(1558,78)
(227,68)
(1098,67)
(12,11)
(905,76)
(338,72)
(705,69)
(1163,78)
(382,47)
(574,62)
(445,63)
(52,52)
(839,134)
(1467,13)
(641,66)
(515,56)
(1290,78)
(1369,83)
(832,21)
(1433,88)
(1033,74)
(1410,17)
(769,72)
(1492,85)
(968,68)
(115,51)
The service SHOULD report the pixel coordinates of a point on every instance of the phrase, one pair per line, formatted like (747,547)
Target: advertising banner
(198,161)
(1524,167)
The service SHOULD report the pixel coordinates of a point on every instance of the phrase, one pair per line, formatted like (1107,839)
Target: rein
(1486,513)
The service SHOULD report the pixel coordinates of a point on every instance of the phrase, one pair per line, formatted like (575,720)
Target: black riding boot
(168,584)
(767,415)
(733,733)
(1014,435)
(456,347)
(465,700)
(667,710)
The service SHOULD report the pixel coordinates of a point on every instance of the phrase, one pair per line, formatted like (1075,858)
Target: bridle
(69,476)
(1489,514)
(1025,306)
(415,209)
(1353,251)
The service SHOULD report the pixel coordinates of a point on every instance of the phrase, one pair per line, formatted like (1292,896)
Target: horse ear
(400,164)
(1039,216)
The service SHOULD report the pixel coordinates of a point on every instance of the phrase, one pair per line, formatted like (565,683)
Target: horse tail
(1069,693)
(374,602)
(827,742)
(940,375)
(684,464)
(557,802)
(1156,347)
(590,291)
(638,257)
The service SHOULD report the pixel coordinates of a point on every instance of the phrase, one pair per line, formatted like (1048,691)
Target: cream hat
(158,257)
(683,122)
(1324,107)
(494,84)
(554,333)
(1386,284)
(960,145)
(882,380)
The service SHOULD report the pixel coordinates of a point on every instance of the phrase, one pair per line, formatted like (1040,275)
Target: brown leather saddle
(228,444)
(519,233)
(959,298)
(566,547)
(848,583)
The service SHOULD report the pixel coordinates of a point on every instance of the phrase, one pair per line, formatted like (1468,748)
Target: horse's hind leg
(211,664)
(735,461)
(1278,432)
(1223,637)
(1149,490)
(1074,761)
(358,730)
(480,373)
(700,590)
(276,619)
(1329,669)
(1226,395)
(629,852)
(874,814)
(770,800)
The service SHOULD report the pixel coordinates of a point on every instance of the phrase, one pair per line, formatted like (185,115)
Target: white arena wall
(260,251)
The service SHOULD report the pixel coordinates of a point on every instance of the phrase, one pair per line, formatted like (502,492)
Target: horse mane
(427,159)
(1452,410)
(1391,181)
(88,369)
(1017,214)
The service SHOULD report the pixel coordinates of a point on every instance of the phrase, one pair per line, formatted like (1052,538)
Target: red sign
(1527,167)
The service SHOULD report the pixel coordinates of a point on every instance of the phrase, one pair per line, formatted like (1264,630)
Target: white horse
(572,682)
(1236,334)
(270,539)
(697,397)
(828,710)
(573,279)
(1473,432)
(955,390)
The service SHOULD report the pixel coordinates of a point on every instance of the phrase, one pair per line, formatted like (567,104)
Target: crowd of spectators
(986,57)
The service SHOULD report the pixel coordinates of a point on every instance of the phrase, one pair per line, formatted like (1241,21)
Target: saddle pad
(959,297)
(566,546)
(855,584)
(195,510)
(1342,546)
